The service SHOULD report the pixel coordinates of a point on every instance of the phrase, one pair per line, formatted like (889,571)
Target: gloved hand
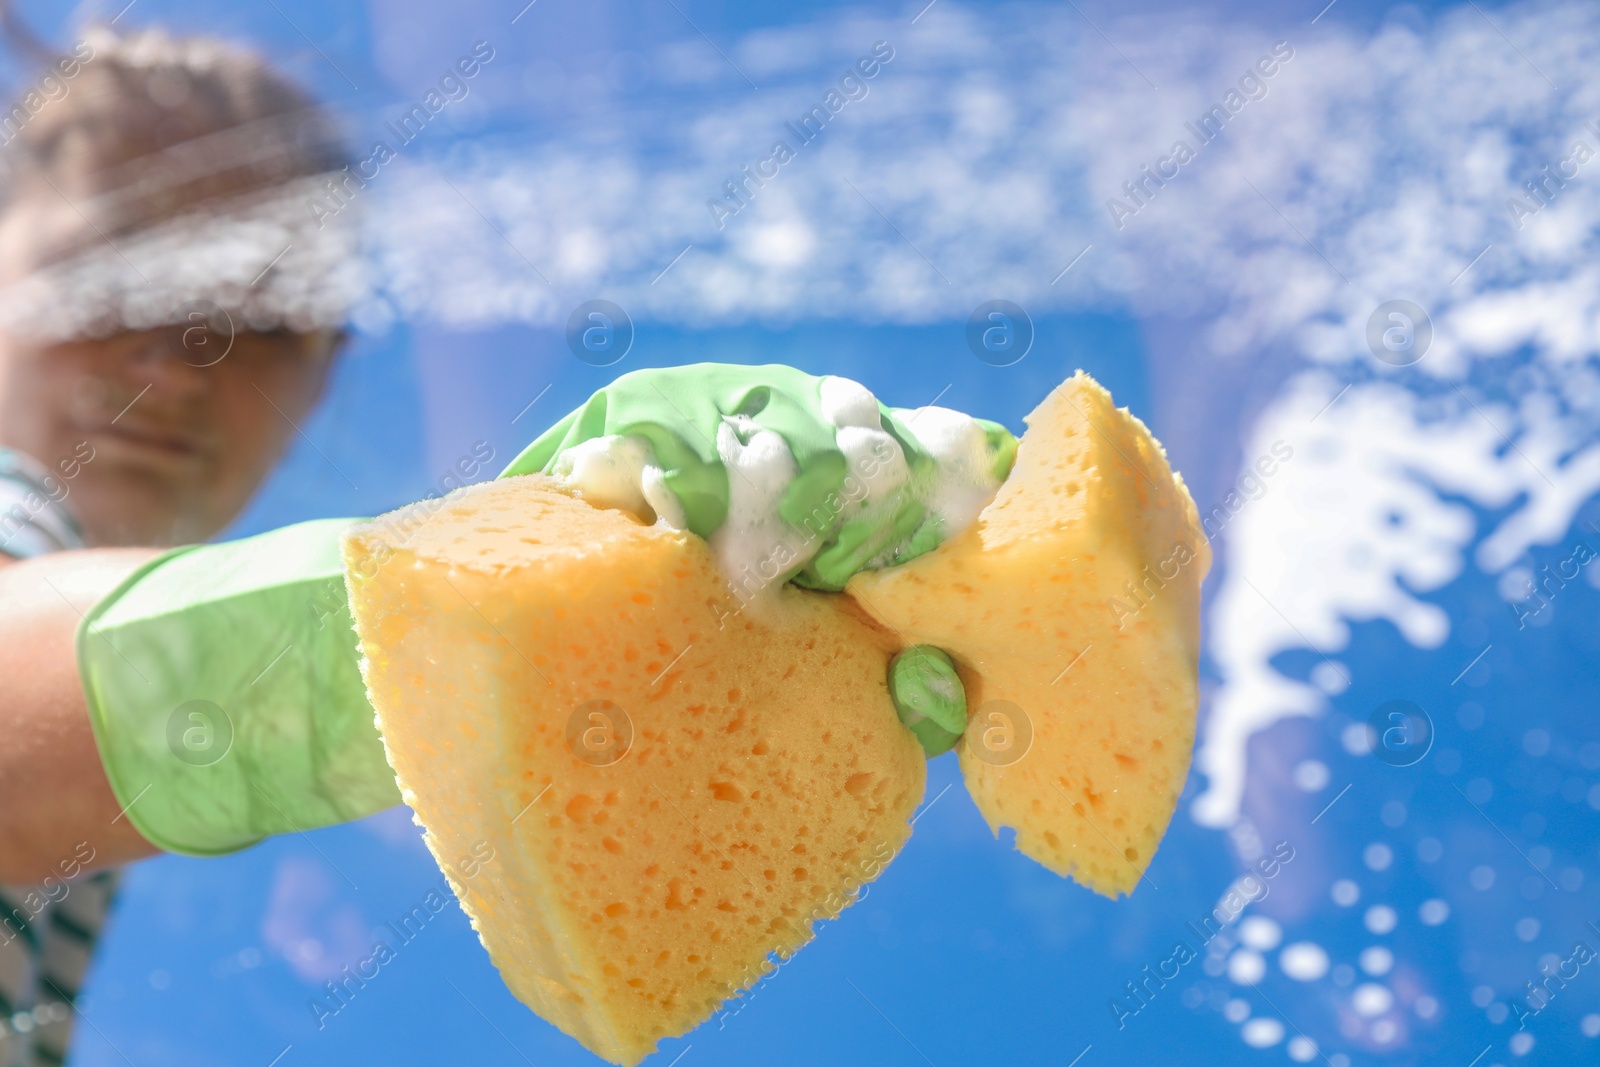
(751,457)
(223,681)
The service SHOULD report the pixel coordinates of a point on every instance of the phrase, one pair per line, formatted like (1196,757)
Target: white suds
(608,472)
(965,483)
(754,546)
(849,403)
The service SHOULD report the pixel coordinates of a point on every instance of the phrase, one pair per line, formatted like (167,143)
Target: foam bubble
(1376,960)
(608,471)
(1311,775)
(1246,967)
(1515,584)
(1370,999)
(1304,961)
(760,471)
(1262,1033)
(1381,919)
(1260,932)
(1330,677)
(849,403)
(1433,912)
(964,467)
(1356,738)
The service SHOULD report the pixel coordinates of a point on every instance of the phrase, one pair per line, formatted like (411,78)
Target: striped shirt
(47,932)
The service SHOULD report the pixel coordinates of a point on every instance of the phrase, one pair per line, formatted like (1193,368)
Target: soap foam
(964,480)
(754,546)
(876,482)
(608,472)
(849,403)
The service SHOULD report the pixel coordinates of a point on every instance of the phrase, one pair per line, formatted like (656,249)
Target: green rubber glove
(223,687)
(928,697)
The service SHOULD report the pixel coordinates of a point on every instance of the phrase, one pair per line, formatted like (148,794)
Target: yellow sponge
(1072,612)
(672,790)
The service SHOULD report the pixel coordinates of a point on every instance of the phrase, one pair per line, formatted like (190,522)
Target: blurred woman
(169,311)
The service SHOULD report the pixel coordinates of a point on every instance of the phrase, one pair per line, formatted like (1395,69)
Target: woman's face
(156,437)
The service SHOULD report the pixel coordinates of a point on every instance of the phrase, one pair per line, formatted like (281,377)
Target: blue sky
(1229,312)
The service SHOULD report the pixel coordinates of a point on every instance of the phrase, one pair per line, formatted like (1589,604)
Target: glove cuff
(224,690)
